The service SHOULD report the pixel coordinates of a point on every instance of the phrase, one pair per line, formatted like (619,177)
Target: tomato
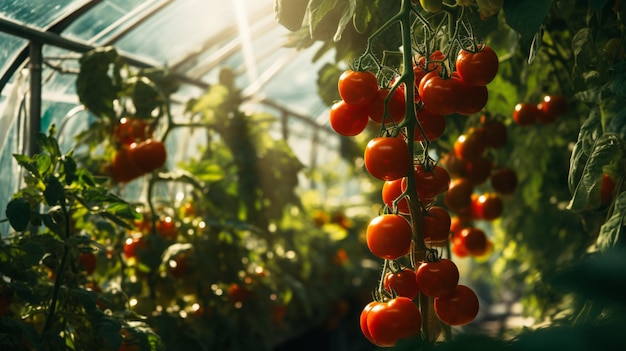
(432,6)
(436,226)
(430,183)
(441,95)
(389,236)
(554,105)
(459,195)
(396,106)
(504,180)
(148,155)
(455,167)
(607,188)
(357,87)
(471,146)
(122,170)
(88,261)
(132,244)
(390,321)
(474,240)
(130,130)
(392,189)
(457,308)
(458,247)
(387,158)
(432,124)
(526,114)
(477,68)
(348,120)
(472,98)
(403,283)
(166,228)
(457,224)
(479,170)
(363,320)
(487,206)
(178,266)
(495,134)
(237,293)
(437,278)
(425,79)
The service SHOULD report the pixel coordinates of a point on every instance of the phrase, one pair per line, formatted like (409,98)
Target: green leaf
(526,16)
(597,5)
(588,134)
(617,84)
(123,210)
(362,16)
(610,235)
(54,191)
(607,149)
(69,168)
(27,163)
(290,13)
(18,212)
(44,164)
(49,144)
(95,87)
(318,9)
(346,18)
(115,219)
(145,96)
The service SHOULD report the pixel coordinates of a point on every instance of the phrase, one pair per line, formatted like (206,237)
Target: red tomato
(495,134)
(357,87)
(526,114)
(436,226)
(122,169)
(396,106)
(429,183)
(166,227)
(237,293)
(130,130)
(403,283)
(88,261)
(389,236)
(552,107)
(487,206)
(348,120)
(504,180)
(459,195)
(457,224)
(479,170)
(437,278)
(457,308)
(458,247)
(419,73)
(425,79)
(363,320)
(387,158)
(474,240)
(477,68)
(607,188)
(455,167)
(132,244)
(392,189)
(472,99)
(147,155)
(441,95)
(178,266)
(388,322)
(432,124)
(471,146)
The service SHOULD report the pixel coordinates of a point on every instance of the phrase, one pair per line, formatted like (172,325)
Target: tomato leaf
(346,18)
(54,191)
(96,89)
(18,212)
(27,163)
(526,16)
(290,13)
(362,17)
(607,149)
(69,169)
(318,9)
(597,5)
(611,231)
(588,134)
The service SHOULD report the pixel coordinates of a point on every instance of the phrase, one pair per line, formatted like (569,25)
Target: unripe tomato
(432,6)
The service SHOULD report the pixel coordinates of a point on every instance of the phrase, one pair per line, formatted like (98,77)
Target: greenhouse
(339,175)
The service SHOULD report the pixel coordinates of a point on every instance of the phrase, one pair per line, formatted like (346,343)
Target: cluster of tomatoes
(470,168)
(545,112)
(138,153)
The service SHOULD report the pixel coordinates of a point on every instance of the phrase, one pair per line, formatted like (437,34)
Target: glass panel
(9,49)
(39,13)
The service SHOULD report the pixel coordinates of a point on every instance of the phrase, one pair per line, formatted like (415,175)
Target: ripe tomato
(441,95)
(396,106)
(357,87)
(392,189)
(455,167)
(526,114)
(471,146)
(432,124)
(504,180)
(133,244)
(390,321)
(474,240)
(122,169)
(348,120)
(472,99)
(457,224)
(479,170)
(477,68)
(88,261)
(432,6)
(437,278)
(436,226)
(237,293)
(457,308)
(458,248)
(487,206)
(459,195)
(166,228)
(429,183)
(389,236)
(427,77)
(147,155)
(552,107)
(403,283)
(363,320)
(387,158)
(495,134)
(178,266)
(130,130)
(607,188)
